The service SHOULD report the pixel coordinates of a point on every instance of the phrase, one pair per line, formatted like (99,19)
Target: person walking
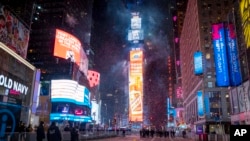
(53,133)
(40,134)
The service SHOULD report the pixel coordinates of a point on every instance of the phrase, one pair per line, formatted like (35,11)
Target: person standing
(54,133)
(40,134)
(74,134)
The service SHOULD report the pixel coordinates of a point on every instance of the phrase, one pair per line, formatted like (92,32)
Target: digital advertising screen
(69,91)
(136,34)
(94,78)
(136,22)
(136,85)
(220,55)
(70,111)
(233,56)
(244,11)
(200,104)
(13,33)
(70,48)
(198,63)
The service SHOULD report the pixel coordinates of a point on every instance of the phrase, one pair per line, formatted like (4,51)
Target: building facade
(196,36)
(17,78)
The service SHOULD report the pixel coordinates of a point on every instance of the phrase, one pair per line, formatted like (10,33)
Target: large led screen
(69,47)
(136,85)
(70,111)
(198,65)
(233,56)
(69,91)
(136,22)
(245,16)
(13,33)
(220,55)
(135,35)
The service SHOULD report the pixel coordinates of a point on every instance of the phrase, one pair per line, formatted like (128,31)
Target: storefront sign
(13,85)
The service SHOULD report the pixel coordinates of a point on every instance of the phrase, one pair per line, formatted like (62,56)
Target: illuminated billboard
(70,117)
(220,55)
(69,47)
(200,104)
(69,91)
(135,35)
(244,11)
(94,78)
(13,33)
(198,64)
(136,86)
(233,56)
(136,22)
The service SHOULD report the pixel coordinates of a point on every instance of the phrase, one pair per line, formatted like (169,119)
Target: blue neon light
(220,55)
(198,67)
(70,117)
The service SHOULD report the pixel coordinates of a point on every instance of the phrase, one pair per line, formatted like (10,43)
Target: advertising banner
(70,117)
(207,104)
(136,85)
(200,104)
(136,22)
(13,33)
(233,56)
(244,11)
(220,55)
(69,47)
(198,64)
(94,78)
(69,91)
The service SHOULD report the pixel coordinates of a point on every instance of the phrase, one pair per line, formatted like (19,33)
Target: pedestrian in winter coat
(53,133)
(40,134)
(74,134)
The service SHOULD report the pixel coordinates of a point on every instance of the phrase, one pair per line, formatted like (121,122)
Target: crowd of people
(53,132)
(151,132)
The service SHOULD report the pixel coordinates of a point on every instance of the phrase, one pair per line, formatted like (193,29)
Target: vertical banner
(233,56)
(136,86)
(207,104)
(198,67)
(220,55)
(200,104)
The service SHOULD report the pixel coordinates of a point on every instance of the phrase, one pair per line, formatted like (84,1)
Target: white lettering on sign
(240,132)
(11,84)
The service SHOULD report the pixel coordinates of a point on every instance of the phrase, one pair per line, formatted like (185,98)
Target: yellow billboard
(244,11)
(136,86)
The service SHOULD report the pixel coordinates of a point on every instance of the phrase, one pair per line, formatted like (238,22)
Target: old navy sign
(220,55)
(233,59)
(12,84)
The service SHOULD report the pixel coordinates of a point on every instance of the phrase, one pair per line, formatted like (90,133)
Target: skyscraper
(206,103)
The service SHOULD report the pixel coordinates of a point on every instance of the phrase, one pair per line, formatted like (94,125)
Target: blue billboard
(233,56)
(70,117)
(200,104)
(198,67)
(220,55)
(207,104)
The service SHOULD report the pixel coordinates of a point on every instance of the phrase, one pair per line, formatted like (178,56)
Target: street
(135,137)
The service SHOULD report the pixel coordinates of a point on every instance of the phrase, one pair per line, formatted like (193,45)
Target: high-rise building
(240,95)
(203,91)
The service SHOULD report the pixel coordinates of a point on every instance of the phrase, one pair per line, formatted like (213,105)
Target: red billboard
(69,47)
